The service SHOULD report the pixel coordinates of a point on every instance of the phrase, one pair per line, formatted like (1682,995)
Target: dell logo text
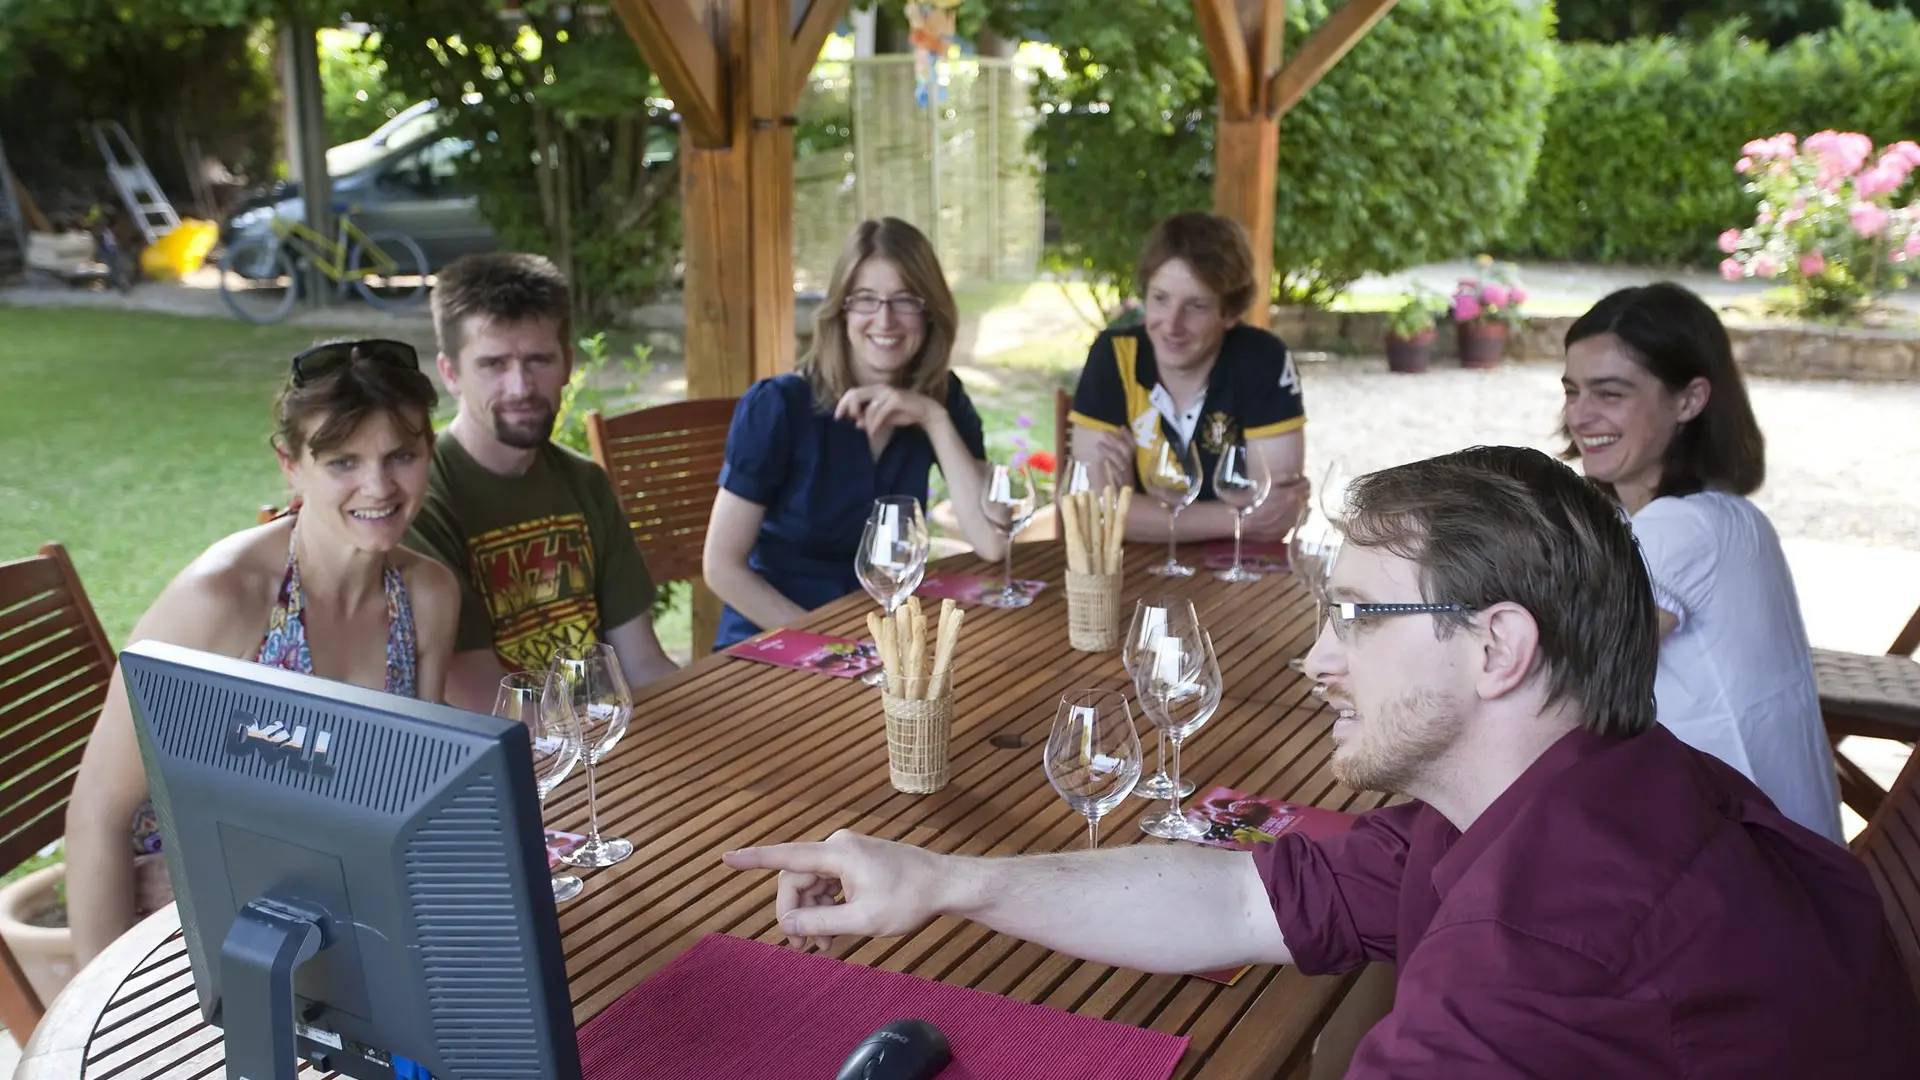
(301,747)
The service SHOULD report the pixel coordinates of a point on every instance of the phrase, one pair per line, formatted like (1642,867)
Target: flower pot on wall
(1481,343)
(1411,355)
(45,953)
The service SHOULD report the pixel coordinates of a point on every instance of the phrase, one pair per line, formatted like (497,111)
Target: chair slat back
(55,667)
(55,664)
(1890,846)
(665,465)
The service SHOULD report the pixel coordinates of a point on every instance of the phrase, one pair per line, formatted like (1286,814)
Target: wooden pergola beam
(813,20)
(1226,38)
(1323,48)
(682,49)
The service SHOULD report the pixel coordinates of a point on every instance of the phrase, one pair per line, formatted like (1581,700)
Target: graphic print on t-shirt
(537,577)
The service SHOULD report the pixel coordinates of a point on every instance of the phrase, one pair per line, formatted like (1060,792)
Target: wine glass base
(1171,569)
(1298,663)
(566,887)
(1012,600)
(1168,825)
(876,677)
(602,852)
(1159,787)
(1238,573)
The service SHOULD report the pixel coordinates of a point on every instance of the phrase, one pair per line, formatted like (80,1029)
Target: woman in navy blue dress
(871,409)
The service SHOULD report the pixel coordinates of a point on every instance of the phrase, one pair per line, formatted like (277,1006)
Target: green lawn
(136,440)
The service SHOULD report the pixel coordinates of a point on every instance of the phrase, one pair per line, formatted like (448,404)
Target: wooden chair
(1873,696)
(1890,846)
(665,465)
(55,665)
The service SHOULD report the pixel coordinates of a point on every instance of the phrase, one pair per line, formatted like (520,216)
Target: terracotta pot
(45,953)
(1411,355)
(1481,343)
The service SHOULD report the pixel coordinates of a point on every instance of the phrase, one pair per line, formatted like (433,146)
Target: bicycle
(260,274)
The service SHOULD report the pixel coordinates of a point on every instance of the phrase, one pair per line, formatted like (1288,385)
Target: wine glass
(1174,477)
(1180,693)
(1242,481)
(1009,501)
(1149,618)
(1093,754)
(1311,549)
(1333,492)
(538,700)
(892,557)
(597,693)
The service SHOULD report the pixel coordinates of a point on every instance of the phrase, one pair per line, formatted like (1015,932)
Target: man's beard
(1390,752)
(525,434)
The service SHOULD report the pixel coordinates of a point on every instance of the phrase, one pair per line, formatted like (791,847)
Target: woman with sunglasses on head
(871,410)
(1656,411)
(325,589)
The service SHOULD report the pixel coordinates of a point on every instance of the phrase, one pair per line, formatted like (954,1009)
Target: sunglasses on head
(325,359)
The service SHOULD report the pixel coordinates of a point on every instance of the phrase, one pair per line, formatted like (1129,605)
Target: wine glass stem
(1162,764)
(1093,832)
(1175,774)
(1007,589)
(1237,516)
(1173,525)
(593,803)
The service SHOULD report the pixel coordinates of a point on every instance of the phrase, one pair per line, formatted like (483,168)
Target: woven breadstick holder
(917,733)
(1093,611)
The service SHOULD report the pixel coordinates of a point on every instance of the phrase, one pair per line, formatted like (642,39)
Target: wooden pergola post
(1244,39)
(735,69)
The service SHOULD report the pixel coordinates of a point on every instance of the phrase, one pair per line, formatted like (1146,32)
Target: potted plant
(1485,308)
(33,922)
(1411,331)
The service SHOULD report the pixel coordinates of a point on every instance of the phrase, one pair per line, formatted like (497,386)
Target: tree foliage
(1774,21)
(1637,161)
(1416,146)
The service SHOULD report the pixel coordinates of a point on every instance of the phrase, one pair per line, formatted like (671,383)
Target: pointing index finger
(806,858)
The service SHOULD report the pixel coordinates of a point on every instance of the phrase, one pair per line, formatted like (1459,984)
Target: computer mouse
(903,1050)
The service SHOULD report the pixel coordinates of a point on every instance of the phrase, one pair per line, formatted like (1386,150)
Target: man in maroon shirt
(1575,892)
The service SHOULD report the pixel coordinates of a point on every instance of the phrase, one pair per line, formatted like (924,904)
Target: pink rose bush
(1493,294)
(1830,221)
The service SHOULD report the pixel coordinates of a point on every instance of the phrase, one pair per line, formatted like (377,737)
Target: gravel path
(1843,458)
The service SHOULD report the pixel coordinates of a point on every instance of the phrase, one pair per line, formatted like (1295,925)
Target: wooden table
(730,753)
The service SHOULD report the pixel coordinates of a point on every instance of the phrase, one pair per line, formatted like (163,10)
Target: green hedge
(1416,146)
(1637,162)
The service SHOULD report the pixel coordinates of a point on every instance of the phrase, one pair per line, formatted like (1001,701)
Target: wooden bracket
(1322,49)
(680,46)
(810,30)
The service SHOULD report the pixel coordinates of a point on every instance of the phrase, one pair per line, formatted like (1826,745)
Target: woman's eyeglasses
(903,305)
(323,360)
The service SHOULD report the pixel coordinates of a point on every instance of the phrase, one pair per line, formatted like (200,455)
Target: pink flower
(1495,295)
(1758,147)
(1883,179)
(1765,218)
(1813,264)
(1466,308)
(1906,150)
(1745,164)
(1730,241)
(1912,247)
(1867,219)
(1517,296)
(1730,269)
(1764,266)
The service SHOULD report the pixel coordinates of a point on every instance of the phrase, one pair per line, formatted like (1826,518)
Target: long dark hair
(1677,338)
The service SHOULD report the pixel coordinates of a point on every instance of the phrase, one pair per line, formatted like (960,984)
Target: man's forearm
(1147,521)
(1155,908)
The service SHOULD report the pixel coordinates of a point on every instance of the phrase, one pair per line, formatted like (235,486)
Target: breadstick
(1090,518)
(882,632)
(950,616)
(916,652)
(1097,540)
(1116,549)
(1070,532)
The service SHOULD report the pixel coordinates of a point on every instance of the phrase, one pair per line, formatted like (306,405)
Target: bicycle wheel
(258,279)
(390,275)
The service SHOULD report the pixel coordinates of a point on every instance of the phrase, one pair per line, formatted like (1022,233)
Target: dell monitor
(361,878)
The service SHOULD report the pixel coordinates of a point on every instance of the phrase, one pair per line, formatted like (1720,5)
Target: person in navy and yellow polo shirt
(1194,373)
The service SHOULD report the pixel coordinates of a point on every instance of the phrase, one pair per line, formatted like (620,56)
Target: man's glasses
(905,305)
(1344,615)
(323,360)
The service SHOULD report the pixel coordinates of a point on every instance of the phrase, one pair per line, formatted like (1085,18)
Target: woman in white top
(1657,412)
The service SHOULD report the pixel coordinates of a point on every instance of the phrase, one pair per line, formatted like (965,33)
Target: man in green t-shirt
(533,530)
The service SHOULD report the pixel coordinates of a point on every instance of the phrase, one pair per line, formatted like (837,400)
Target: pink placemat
(745,1010)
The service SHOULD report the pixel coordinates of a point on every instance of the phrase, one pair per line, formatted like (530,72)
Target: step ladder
(151,210)
(13,234)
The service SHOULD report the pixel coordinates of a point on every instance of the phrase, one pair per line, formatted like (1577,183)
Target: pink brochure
(1266,558)
(1237,820)
(843,658)
(973,588)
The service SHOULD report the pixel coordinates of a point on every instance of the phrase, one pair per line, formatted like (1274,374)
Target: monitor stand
(268,940)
